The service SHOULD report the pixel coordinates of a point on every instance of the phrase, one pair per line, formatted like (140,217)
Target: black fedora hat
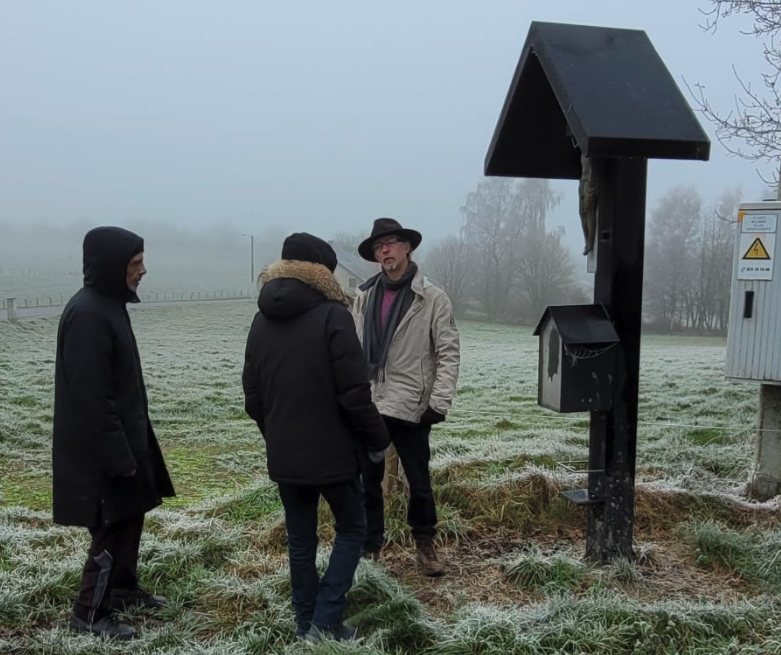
(383,227)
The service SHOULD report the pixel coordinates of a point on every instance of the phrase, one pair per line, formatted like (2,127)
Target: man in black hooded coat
(306,384)
(107,465)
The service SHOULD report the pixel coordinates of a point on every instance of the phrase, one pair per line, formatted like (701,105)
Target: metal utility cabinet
(753,336)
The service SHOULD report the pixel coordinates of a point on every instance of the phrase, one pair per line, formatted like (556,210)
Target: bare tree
(717,241)
(672,257)
(349,241)
(499,217)
(492,226)
(519,266)
(450,265)
(752,129)
(689,261)
(545,275)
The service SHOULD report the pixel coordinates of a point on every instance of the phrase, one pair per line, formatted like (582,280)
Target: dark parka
(306,380)
(102,429)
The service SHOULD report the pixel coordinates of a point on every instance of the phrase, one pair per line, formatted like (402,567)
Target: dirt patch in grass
(475,573)
(666,567)
(674,574)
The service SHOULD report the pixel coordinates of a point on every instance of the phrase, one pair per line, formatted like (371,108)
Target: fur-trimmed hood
(289,287)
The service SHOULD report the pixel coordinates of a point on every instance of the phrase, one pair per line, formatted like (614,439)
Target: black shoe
(341,632)
(302,629)
(108,626)
(373,555)
(123,599)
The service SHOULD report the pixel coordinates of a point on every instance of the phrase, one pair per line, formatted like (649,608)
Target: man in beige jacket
(411,344)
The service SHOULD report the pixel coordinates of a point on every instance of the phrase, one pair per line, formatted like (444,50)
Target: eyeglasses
(391,241)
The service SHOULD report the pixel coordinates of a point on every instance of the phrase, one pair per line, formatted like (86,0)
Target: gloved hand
(377,456)
(430,417)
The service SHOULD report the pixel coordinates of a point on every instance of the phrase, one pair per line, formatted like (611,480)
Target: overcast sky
(315,116)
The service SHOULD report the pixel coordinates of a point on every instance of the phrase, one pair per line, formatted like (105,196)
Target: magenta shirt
(388,297)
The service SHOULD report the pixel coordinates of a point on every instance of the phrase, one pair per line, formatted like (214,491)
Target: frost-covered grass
(705,579)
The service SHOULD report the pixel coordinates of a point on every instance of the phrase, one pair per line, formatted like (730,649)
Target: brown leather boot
(427,556)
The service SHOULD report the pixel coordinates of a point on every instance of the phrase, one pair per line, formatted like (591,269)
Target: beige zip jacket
(424,355)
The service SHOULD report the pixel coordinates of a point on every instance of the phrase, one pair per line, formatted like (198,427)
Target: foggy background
(194,122)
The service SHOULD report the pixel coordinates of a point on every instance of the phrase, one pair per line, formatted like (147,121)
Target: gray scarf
(376,338)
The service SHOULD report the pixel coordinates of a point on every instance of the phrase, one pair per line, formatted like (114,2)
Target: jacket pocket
(423,385)
(126,497)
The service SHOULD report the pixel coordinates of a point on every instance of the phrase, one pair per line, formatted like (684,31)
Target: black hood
(284,298)
(107,252)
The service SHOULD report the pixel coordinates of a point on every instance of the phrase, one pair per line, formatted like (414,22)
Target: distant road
(26,313)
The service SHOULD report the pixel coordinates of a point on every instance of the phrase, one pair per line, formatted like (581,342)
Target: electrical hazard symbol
(756,250)
(756,256)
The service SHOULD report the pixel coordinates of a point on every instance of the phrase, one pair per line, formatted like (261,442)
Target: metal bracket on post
(581,496)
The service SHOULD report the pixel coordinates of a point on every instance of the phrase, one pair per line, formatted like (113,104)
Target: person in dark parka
(306,385)
(108,470)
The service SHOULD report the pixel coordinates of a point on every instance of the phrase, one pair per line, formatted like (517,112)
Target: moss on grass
(197,473)
(24,487)
(709,436)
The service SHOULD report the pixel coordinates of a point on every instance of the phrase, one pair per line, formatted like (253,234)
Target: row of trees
(689,260)
(507,265)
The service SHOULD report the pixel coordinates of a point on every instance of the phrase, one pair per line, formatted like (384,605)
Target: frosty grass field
(706,579)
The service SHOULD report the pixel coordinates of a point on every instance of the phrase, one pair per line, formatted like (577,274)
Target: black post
(618,284)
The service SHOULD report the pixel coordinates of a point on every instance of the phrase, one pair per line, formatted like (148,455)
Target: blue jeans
(412,445)
(322,601)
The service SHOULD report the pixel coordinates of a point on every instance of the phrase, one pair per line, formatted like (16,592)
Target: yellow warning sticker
(757,250)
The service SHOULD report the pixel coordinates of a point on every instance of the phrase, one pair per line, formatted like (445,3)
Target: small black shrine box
(577,358)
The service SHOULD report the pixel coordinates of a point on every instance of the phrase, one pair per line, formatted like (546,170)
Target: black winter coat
(102,429)
(305,378)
